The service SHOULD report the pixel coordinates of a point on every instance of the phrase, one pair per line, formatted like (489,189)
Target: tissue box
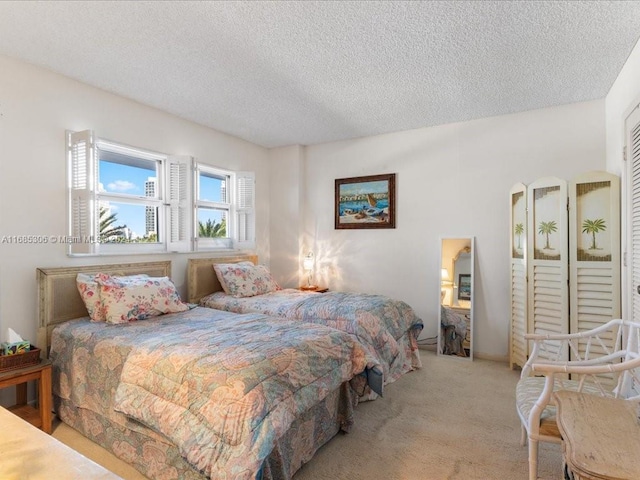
(14,348)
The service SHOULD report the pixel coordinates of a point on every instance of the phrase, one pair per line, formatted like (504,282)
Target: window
(224,208)
(213,207)
(128,200)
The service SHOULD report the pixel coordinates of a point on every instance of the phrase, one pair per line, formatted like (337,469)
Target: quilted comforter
(223,388)
(383,325)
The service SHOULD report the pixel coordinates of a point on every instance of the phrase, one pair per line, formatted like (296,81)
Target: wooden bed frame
(202,279)
(60,301)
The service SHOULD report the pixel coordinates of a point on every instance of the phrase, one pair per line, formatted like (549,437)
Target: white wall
(286,203)
(622,98)
(36,107)
(451,181)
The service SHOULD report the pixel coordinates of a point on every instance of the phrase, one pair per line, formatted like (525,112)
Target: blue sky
(364,187)
(118,178)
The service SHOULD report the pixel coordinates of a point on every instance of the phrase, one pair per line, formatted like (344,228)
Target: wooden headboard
(201,278)
(60,301)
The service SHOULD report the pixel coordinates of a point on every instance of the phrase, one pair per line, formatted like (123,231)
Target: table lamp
(307,265)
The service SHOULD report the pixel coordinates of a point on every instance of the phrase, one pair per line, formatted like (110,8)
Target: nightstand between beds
(314,288)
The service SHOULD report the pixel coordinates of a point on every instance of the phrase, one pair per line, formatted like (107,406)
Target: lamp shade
(444,275)
(307,264)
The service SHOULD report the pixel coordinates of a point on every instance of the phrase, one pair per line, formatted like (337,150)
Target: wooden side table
(19,377)
(315,288)
(600,436)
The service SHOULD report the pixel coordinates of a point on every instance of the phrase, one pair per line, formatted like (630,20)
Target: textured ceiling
(283,73)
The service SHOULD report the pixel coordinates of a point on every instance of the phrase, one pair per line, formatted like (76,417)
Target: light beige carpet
(452,420)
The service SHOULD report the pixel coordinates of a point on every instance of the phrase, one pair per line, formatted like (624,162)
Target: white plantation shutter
(178,201)
(82,180)
(547,257)
(245,234)
(632,299)
(518,350)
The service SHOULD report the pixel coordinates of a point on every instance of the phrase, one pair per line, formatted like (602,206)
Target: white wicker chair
(606,363)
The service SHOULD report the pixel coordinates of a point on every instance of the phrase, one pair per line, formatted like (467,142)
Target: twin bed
(386,327)
(201,393)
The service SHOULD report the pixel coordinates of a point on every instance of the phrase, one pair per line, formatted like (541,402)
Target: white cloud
(121,186)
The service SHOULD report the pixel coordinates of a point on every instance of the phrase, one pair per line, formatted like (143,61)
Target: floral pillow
(136,300)
(90,293)
(245,279)
(222,268)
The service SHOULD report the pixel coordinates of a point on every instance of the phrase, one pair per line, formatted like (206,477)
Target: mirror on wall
(455,318)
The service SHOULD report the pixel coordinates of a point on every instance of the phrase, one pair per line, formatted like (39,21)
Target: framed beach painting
(366,202)
(464,286)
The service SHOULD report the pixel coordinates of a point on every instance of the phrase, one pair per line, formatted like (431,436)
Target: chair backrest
(605,360)
(629,382)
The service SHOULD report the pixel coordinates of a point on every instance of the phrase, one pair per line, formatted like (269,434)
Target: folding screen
(518,227)
(568,270)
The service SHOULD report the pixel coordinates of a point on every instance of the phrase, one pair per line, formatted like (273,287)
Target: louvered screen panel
(519,348)
(593,305)
(594,252)
(547,261)
(547,303)
(595,299)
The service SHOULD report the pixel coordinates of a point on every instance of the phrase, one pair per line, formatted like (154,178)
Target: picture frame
(464,286)
(366,202)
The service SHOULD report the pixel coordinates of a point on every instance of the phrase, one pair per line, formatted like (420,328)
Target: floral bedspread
(380,323)
(224,399)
